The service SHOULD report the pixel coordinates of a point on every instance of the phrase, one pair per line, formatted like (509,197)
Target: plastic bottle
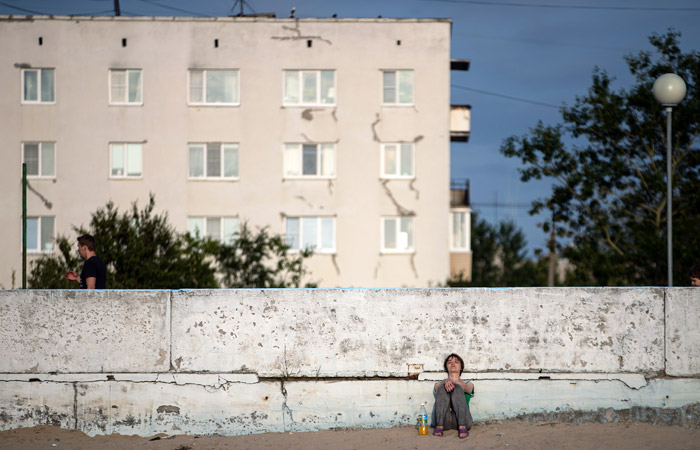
(423,421)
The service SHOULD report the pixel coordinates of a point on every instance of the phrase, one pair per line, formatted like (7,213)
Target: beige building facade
(334,132)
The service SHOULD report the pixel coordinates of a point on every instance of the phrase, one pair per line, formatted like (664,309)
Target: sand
(511,436)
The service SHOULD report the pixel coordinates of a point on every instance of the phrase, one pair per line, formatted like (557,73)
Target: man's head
(86,245)
(695,276)
(453,359)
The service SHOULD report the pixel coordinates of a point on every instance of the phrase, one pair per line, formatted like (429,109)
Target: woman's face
(453,365)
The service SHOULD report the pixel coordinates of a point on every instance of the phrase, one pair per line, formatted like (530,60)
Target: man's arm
(72,275)
(90,282)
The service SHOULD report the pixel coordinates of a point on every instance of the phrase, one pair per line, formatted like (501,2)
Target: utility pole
(552,254)
(117,10)
(24,225)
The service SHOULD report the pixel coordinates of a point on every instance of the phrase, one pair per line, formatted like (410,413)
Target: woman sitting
(452,397)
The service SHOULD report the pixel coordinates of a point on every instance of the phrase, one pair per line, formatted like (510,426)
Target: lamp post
(669,89)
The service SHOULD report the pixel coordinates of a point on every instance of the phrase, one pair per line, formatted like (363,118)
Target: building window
(309,160)
(398,87)
(459,231)
(397,161)
(222,229)
(40,234)
(213,87)
(126,160)
(40,158)
(309,87)
(38,86)
(125,87)
(315,233)
(398,234)
(214,161)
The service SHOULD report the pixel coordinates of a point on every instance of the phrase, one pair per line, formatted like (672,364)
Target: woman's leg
(460,407)
(442,404)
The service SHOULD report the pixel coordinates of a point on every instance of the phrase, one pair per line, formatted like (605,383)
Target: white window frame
(125,161)
(293,158)
(125,101)
(204,101)
(222,219)
(300,88)
(41,244)
(205,162)
(397,88)
(39,77)
(395,221)
(401,147)
(319,234)
(465,231)
(40,145)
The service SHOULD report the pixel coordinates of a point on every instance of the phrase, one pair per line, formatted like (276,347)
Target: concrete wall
(246,361)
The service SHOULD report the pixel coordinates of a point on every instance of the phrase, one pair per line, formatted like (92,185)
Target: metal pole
(669,180)
(24,225)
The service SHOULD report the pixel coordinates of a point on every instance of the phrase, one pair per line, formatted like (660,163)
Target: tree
(261,260)
(609,192)
(140,249)
(499,258)
(143,251)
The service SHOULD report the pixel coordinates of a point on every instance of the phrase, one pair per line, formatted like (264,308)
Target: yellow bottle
(423,421)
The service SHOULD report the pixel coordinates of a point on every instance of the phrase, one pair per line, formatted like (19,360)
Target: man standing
(94,273)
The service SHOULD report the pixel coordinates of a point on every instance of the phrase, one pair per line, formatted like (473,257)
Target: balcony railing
(459,193)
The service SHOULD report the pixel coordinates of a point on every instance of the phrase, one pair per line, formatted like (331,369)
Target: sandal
(437,431)
(463,433)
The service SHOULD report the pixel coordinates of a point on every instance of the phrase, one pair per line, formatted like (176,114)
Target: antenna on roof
(241,13)
(240,3)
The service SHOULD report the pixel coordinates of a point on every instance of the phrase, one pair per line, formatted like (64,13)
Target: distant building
(334,132)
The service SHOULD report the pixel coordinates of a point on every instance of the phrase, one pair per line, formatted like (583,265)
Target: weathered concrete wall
(247,361)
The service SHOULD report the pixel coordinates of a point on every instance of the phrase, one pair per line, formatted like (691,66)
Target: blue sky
(527,58)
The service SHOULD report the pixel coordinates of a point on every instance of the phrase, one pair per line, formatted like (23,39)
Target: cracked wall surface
(249,361)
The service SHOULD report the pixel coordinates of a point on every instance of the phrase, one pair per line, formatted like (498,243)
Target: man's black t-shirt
(95,268)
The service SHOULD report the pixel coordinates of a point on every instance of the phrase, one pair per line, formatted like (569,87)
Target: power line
(509,97)
(152,2)
(30,11)
(545,42)
(501,205)
(586,7)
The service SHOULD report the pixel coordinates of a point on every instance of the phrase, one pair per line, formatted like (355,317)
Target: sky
(528,58)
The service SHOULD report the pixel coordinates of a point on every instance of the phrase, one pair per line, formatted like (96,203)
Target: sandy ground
(511,436)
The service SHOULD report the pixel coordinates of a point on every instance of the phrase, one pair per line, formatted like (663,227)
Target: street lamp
(669,89)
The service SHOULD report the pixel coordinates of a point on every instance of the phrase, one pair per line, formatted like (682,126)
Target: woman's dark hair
(461,362)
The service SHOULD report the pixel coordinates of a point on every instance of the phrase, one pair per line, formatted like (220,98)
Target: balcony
(459,193)
(460,123)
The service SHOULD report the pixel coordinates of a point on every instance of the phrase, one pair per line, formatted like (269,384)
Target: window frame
(319,234)
(40,144)
(319,91)
(39,71)
(411,248)
(40,249)
(125,161)
(384,175)
(466,230)
(204,234)
(126,89)
(222,162)
(204,88)
(397,88)
(319,160)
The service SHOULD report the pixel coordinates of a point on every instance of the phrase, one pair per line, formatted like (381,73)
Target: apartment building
(333,132)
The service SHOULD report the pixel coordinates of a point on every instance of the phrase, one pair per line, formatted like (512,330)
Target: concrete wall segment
(83,332)
(682,332)
(350,333)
